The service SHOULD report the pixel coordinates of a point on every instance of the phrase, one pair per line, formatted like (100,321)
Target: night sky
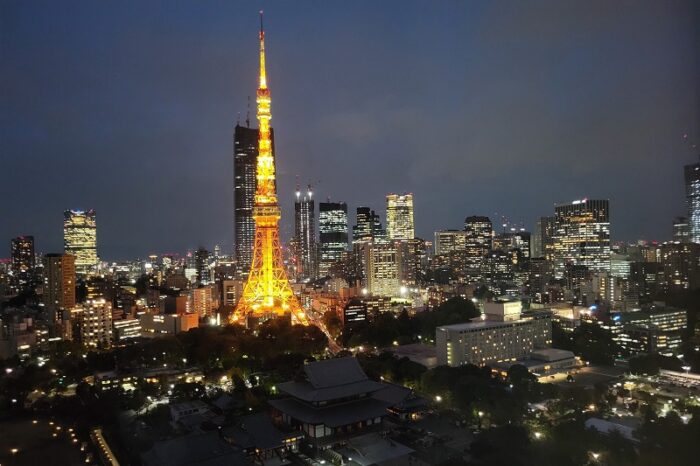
(492,108)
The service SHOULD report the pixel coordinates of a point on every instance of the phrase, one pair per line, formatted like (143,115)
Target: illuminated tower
(267,292)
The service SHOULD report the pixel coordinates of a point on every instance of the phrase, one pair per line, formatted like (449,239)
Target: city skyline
(176,154)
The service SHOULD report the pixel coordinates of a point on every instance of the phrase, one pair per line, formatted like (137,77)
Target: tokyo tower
(267,292)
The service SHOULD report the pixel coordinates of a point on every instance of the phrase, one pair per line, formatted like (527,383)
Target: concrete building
(80,239)
(399,217)
(155,325)
(59,282)
(505,334)
(92,323)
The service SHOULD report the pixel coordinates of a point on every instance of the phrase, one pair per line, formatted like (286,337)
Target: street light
(438,398)
(538,435)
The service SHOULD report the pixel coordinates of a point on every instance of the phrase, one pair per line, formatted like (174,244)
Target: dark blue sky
(495,108)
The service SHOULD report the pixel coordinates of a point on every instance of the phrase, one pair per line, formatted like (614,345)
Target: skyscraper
(245,154)
(22,250)
(478,244)
(581,236)
(367,225)
(305,234)
(267,292)
(59,281)
(692,195)
(333,234)
(399,216)
(681,229)
(80,239)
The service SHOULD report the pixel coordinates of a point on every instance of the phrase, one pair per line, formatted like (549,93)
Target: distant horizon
(477,109)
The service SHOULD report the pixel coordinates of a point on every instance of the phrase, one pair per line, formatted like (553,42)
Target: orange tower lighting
(267,292)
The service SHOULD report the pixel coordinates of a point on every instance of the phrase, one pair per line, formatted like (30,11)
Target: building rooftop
(330,379)
(256,431)
(198,449)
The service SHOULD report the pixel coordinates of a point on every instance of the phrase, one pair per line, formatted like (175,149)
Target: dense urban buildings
(522,340)
(80,239)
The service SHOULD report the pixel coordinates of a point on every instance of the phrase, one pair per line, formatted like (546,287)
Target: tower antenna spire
(247,115)
(263,75)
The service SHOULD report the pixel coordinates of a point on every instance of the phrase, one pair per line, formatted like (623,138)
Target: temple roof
(330,379)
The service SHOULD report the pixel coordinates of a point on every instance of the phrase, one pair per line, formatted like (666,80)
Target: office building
(450,241)
(305,234)
(162,325)
(59,282)
(681,266)
(333,234)
(542,238)
(581,236)
(479,243)
(382,273)
(124,330)
(651,330)
(681,230)
(692,196)
(203,264)
(354,314)
(505,335)
(367,225)
(399,217)
(22,263)
(245,159)
(80,239)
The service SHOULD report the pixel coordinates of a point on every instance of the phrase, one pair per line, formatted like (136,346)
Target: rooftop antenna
(247,115)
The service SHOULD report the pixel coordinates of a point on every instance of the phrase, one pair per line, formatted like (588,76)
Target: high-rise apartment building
(80,239)
(399,217)
(22,266)
(305,234)
(692,195)
(59,281)
(245,156)
(92,323)
(333,234)
(581,236)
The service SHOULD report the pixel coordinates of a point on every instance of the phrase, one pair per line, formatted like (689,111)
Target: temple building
(334,398)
